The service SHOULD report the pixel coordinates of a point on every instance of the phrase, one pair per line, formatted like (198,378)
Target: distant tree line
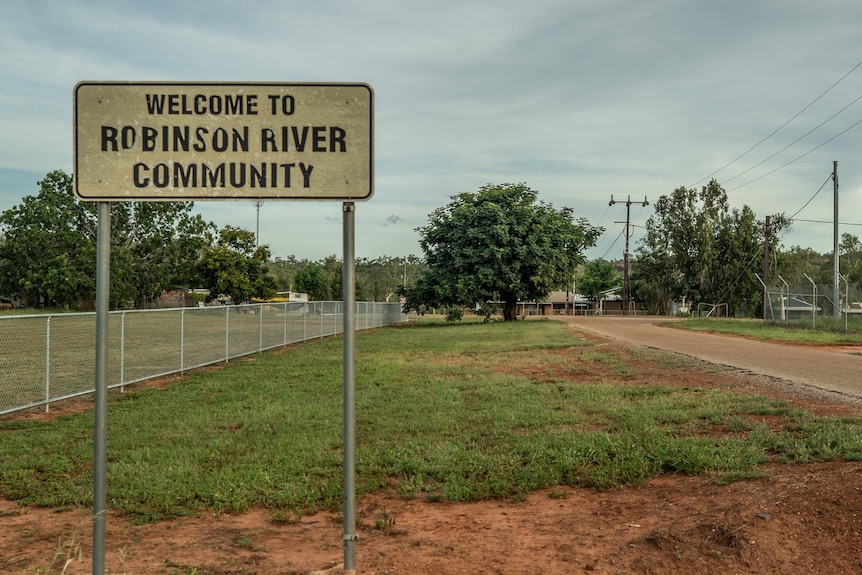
(488,250)
(48,256)
(496,247)
(377,279)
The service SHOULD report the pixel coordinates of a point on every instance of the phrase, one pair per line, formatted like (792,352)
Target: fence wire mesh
(48,358)
(788,303)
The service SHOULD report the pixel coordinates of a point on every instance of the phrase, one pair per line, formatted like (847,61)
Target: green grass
(828,332)
(140,345)
(454,412)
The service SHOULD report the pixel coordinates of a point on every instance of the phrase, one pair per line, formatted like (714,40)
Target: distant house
(557,303)
(290,296)
(568,303)
(10,302)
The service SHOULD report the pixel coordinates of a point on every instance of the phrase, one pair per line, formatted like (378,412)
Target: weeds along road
(825,369)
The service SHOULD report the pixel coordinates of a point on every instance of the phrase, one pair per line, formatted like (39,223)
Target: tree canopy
(312,281)
(597,277)
(236,268)
(154,246)
(48,250)
(48,247)
(381,278)
(696,246)
(499,245)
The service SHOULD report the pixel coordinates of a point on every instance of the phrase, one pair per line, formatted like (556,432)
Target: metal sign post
(168,141)
(348,291)
(100,433)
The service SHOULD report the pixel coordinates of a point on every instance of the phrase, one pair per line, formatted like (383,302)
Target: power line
(613,244)
(604,255)
(812,197)
(601,221)
(826,222)
(797,158)
(739,277)
(746,152)
(794,141)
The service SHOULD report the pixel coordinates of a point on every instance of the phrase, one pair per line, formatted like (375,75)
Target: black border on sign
(186,198)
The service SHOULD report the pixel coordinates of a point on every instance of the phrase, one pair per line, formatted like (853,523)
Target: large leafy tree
(155,246)
(48,253)
(498,245)
(236,268)
(696,246)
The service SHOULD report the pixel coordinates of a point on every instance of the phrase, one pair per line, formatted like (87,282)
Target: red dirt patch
(802,519)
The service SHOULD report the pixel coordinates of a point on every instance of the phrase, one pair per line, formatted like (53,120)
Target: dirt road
(828,369)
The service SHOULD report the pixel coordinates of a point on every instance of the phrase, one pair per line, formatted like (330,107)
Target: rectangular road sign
(215,141)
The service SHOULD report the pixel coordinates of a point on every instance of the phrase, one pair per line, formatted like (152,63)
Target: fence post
(182,340)
(226,332)
(813,301)
(47,363)
(122,352)
(260,328)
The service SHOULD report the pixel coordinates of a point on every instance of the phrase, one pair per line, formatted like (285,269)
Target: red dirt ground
(802,519)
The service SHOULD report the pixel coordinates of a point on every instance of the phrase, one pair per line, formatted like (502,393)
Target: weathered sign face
(174,142)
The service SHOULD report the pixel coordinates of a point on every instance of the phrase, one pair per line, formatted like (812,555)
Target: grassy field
(48,357)
(453,412)
(829,331)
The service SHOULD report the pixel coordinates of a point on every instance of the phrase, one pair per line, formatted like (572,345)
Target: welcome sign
(174,142)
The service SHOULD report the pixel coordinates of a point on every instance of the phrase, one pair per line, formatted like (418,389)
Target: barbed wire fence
(51,357)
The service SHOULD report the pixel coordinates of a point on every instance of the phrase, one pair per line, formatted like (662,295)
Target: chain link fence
(47,358)
(813,303)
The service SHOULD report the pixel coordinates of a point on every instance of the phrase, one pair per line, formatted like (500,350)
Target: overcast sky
(581,100)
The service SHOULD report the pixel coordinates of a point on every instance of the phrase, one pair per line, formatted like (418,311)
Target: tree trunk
(510,310)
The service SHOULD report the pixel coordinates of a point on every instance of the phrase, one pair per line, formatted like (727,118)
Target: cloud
(580,100)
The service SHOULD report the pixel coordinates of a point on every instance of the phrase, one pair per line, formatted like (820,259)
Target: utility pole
(767,231)
(835,291)
(626,291)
